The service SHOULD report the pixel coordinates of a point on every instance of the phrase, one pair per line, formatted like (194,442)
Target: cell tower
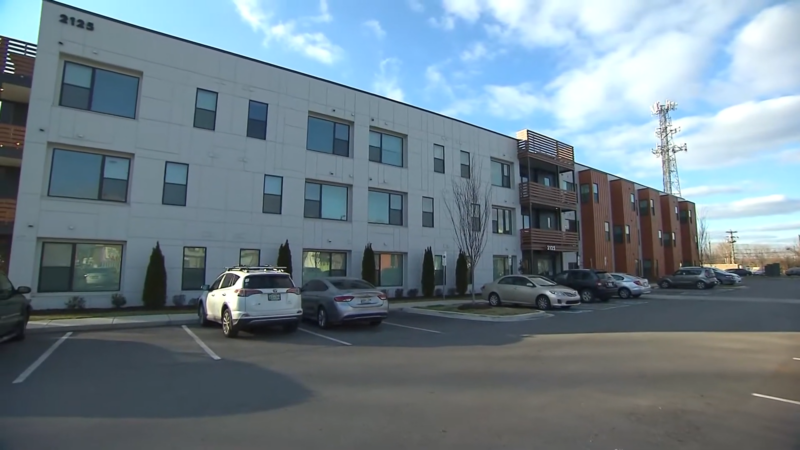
(667,149)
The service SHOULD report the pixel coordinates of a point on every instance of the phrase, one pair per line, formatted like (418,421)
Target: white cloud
(445,23)
(416,5)
(789,226)
(386,80)
(314,45)
(375,27)
(513,102)
(705,191)
(771,205)
(475,52)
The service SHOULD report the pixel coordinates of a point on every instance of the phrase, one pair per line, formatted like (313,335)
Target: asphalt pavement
(752,286)
(641,374)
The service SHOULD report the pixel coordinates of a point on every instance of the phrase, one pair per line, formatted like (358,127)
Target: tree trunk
(472,281)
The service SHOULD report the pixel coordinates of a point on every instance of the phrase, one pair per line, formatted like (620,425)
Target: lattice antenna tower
(667,149)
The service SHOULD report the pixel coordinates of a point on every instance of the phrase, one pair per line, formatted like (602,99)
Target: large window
(325,136)
(257,120)
(618,234)
(501,220)
(585,194)
(644,207)
(388,269)
(176,178)
(438,158)
(501,174)
(193,276)
(325,201)
(324,264)
(13,113)
(80,267)
(385,208)
(427,212)
(98,90)
(596,192)
(89,176)
(385,149)
(502,266)
(439,272)
(466,165)
(273,195)
(205,110)
(249,257)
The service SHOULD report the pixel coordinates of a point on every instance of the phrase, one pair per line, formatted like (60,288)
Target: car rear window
(346,285)
(603,275)
(268,282)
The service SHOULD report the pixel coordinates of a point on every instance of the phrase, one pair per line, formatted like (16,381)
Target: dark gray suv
(698,277)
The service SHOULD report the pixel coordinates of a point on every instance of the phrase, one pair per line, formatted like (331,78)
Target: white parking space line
(777,399)
(324,337)
(24,375)
(202,344)
(411,328)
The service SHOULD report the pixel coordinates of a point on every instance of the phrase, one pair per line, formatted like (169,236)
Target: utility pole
(667,149)
(732,240)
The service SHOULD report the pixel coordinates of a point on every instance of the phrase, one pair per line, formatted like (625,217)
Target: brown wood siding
(688,241)
(626,254)
(596,251)
(673,254)
(649,225)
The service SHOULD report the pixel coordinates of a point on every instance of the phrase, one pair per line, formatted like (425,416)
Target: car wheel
(494,299)
(375,323)
(292,327)
(587,296)
(700,285)
(202,317)
(664,284)
(228,328)
(543,303)
(322,318)
(624,293)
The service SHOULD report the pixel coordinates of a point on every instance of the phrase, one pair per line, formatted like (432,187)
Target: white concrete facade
(226,169)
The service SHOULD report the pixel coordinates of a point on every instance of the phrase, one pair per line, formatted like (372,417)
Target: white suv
(246,297)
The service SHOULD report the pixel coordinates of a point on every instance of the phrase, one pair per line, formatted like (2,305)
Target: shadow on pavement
(145,381)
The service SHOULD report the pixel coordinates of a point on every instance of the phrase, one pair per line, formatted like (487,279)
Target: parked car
(727,278)
(792,272)
(591,284)
(530,290)
(336,300)
(630,286)
(699,277)
(740,272)
(758,273)
(245,297)
(15,310)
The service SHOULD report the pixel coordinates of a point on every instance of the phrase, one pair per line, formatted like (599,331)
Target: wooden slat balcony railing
(531,144)
(548,240)
(8,210)
(532,193)
(11,136)
(16,57)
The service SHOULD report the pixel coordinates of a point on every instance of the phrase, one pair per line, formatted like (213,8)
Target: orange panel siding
(650,224)
(624,213)
(597,250)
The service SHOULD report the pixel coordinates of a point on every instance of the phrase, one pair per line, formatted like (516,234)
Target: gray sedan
(530,290)
(336,300)
(631,286)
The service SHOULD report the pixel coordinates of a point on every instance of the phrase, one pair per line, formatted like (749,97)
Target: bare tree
(470,208)
(703,240)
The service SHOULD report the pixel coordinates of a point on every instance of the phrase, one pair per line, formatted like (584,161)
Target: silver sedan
(337,300)
(631,286)
(530,290)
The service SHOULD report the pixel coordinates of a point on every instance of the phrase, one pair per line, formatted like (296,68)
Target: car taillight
(382,296)
(247,292)
(637,282)
(599,283)
(342,298)
(293,291)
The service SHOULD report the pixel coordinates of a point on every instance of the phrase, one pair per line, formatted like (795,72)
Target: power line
(667,149)
(732,240)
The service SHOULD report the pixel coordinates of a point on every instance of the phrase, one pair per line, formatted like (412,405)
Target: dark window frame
(507,220)
(618,234)
(329,254)
(165,183)
(477,220)
(380,160)
(438,272)
(72,265)
(596,192)
(430,215)
(216,107)
(438,163)
(334,123)
(660,238)
(264,195)
(255,135)
(378,270)
(644,207)
(92,88)
(586,193)
(633,202)
(320,185)
(468,166)
(249,250)
(184,268)
(100,180)
(505,174)
(628,234)
(652,207)
(607,227)
(389,206)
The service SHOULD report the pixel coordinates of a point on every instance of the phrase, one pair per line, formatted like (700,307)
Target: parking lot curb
(476,317)
(117,323)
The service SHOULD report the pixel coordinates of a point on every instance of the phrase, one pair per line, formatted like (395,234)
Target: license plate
(366,301)
(273,297)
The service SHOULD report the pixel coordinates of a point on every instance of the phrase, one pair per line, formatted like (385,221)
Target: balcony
(8,210)
(531,193)
(548,240)
(545,149)
(12,136)
(17,59)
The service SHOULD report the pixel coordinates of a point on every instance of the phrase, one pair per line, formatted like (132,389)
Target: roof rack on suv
(267,268)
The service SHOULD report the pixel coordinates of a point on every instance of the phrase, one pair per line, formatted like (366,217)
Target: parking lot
(644,373)
(752,286)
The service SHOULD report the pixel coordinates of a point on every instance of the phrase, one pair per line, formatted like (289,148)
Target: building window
(501,174)
(249,257)
(325,201)
(80,267)
(690,215)
(193,276)
(585,194)
(466,163)
(652,207)
(660,238)
(273,195)
(633,203)
(676,213)
(205,109)
(427,212)
(617,234)
(644,207)
(608,231)
(439,272)
(438,158)
(323,265)
(385,149)
(674,241)
(89,176)
(13,113)
(98,90)
(628,234)
(476,217)
(176,178)
(388,269)
(502,266)
(257,120)
(325,136)
(596,192)
(501,220)
(684,216)
(385,208)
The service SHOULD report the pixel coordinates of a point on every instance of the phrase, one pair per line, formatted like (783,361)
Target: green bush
(368,265)
(154,294)
(428,274)
(285,257)
(462,274)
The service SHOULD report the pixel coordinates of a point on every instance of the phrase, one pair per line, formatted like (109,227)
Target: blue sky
(581,71)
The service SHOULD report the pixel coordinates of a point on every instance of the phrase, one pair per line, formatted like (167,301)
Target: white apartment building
(135,137)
